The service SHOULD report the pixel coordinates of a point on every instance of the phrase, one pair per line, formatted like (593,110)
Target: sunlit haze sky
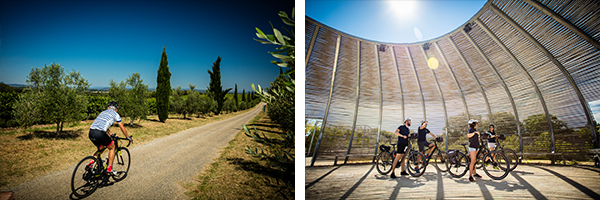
(396,21)
(107,40)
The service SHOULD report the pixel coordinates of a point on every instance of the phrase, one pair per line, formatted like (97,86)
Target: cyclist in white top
(100,132)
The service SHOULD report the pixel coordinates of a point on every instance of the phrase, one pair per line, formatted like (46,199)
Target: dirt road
(158,169)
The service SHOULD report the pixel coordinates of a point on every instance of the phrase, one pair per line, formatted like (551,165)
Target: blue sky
(107,40)
(394,21)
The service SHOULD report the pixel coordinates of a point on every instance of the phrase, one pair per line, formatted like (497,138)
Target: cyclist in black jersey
(422,141)
(402,132)
(473,147)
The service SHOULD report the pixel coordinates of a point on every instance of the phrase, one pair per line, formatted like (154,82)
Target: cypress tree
(235,98)
(163,88)
(244,95)
(215,89)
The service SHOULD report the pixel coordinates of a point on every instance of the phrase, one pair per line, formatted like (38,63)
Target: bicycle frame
(116,143)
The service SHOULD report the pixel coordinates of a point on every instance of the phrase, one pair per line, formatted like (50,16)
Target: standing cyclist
(473,148)
(492,139)
(422,141)
(100,134)
(402,132)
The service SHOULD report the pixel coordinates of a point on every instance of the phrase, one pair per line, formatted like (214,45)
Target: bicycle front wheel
(86,177)
(458,165)
(121,163)
(439,161)
(415,163)
(499,167)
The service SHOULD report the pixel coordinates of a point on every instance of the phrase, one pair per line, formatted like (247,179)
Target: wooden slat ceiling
(523,57)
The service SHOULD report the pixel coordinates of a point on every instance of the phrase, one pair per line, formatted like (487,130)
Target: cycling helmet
(472,121)
(408,118)
(113,104)
(492,125)
(422,122)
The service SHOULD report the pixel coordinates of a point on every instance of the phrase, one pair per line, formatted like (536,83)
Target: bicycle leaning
(437,155)
(414,161)
(458,162)
(87,175)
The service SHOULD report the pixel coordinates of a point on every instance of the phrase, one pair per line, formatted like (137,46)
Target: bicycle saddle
(463,144)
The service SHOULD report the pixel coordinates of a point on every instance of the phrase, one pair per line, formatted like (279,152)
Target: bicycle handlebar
(120,138)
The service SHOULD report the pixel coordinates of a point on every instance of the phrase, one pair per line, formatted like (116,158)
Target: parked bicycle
(414,161)
(437,155)
(458,162)
(88,175)
(510,154)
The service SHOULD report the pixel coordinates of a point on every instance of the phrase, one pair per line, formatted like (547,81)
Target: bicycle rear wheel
(439,161)
(499,167)
(415,163)
(121,163)
(512,157)
(457,166)
(85,179)
(384,162)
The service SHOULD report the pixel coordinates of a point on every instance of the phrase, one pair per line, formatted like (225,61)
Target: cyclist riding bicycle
(100,134)
(402,132)
(422,141)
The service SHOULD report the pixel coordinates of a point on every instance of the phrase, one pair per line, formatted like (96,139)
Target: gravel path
(158,169)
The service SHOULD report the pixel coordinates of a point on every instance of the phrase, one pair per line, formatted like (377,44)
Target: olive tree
(54,95)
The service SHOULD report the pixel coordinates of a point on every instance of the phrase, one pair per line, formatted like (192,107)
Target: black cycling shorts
(401,148)
(99,138)
(423,144)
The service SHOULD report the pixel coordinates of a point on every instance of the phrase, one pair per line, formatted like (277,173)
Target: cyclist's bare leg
(430,149)
(111,154)
(99,152)
(473,155)
(398,156)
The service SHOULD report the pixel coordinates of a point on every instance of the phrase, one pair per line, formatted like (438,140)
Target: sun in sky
(403,8)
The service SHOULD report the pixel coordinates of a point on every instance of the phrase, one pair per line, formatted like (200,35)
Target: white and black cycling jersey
(105,119)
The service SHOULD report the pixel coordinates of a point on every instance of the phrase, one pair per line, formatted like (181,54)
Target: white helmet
(407,119)
(472,121)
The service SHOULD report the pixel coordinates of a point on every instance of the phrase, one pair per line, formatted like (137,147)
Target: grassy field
(28,153)
(236,175)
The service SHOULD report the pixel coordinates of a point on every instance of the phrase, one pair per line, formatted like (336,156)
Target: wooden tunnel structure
(530,67)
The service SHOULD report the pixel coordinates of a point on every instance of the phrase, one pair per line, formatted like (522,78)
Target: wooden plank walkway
(362,181)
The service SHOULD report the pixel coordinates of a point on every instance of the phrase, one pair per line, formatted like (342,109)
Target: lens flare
(418,33)
(433,63)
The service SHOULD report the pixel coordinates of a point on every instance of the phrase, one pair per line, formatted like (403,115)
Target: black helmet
(492,125)
(113,104)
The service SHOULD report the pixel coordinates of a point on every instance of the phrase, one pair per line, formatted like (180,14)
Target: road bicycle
(88,176)
(458,162)
(414,161)
(437,155)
